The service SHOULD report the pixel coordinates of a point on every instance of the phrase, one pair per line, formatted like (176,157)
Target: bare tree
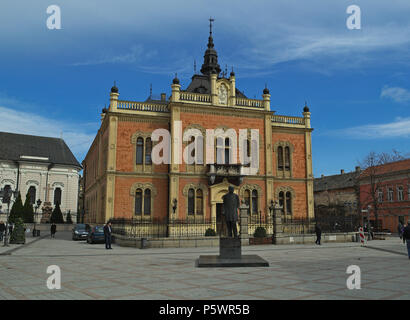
(372,173)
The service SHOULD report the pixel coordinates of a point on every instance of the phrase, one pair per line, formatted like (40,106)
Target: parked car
(80,231)
(96,235)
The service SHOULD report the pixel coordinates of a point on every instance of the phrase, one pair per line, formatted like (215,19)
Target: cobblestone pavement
(295,272)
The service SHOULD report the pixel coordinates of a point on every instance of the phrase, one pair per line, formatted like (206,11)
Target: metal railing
(162,228)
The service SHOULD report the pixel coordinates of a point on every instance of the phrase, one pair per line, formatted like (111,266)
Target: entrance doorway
(220,222)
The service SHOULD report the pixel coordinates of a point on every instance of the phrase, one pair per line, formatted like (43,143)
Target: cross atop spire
(210,26)
(210,64)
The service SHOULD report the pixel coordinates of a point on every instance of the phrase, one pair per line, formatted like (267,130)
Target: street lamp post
(38,204)
(6,198)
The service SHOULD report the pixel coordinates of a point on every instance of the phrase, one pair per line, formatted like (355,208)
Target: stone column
(243,216)
(278,231)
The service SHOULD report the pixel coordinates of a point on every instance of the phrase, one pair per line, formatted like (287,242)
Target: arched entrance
(217,191)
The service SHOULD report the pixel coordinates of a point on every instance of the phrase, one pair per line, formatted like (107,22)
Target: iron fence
(161,228)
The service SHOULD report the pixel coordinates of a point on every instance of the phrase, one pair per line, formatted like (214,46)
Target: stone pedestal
(230,248)
(278,231)
(230,255)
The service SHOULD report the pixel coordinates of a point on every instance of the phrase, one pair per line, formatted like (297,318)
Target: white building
(43,166)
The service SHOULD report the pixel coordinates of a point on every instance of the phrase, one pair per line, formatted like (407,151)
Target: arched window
(148,150)
(254,202)
(282,199)
(140,150)
(32,193)
(191,201)
(219,150)
(138,202)
(288,203)
(192,141)
(280,158)
(247,196)
(147,202)
(227,150)
(287,159)
(57,196)
(7,191)
(199,201)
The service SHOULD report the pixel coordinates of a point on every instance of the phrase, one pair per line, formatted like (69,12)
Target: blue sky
(356,82)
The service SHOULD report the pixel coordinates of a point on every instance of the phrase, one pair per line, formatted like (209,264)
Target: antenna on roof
(150,90)
(194,66)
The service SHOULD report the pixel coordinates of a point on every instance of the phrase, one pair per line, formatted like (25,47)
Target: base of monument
(251,260)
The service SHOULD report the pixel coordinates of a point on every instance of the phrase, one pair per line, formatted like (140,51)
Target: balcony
(218,172)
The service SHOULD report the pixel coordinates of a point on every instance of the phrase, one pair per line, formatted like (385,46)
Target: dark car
(80,231)
(96,235)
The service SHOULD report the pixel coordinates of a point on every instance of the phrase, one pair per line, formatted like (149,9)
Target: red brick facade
(386,188)
(121,182)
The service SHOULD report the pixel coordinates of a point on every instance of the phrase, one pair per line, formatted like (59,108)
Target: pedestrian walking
(318,232)
(107,235)
(406,237)
(53,230)
(2,229)
(400,230)
(10,229)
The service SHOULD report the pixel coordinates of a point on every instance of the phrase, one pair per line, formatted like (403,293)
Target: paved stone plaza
(295,272)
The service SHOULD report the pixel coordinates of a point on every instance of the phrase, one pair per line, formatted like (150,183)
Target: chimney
(342,171)
(357,169)
(163,96)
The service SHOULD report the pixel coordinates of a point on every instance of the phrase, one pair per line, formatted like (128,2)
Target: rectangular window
(380,195)
(390,194)
(400,195)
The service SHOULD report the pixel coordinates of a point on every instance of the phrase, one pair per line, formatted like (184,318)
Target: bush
(260,232)
(28,213)
(17,211)
(210,232)
(68,219)
(57,215)
(18,236)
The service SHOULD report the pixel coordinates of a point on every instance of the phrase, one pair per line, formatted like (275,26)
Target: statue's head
(230,189)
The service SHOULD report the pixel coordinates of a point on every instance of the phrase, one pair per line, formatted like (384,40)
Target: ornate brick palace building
(122,180)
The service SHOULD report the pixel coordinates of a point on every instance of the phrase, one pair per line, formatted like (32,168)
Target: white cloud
(137,53)
(396,94)
(400,128)
(262,33)
(74,135)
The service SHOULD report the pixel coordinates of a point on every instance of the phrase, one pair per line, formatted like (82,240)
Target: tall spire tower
(210,64)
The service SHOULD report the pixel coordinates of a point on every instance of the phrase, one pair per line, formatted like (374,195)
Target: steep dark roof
(339,181)
(202,84)
(12,146)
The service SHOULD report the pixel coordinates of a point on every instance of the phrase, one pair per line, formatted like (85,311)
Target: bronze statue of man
(230,208)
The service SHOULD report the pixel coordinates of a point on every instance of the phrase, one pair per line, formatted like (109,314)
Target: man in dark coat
(399,230)
(318,232)
(107,235)
(2,229)
(53,230)
(230,209)
(406,237)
